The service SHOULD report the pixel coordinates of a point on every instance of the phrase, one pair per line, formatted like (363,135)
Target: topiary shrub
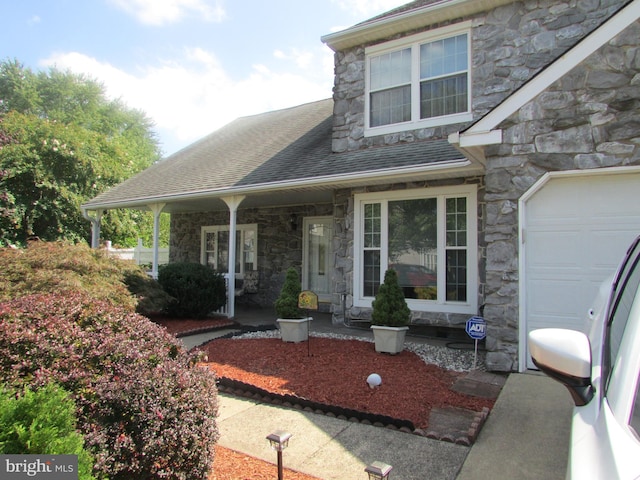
(390,307)
(42,422)
(197,290)
(145,408)
(57,266)
(286,304)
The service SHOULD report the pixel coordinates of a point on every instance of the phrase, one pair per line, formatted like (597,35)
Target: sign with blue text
(476,328)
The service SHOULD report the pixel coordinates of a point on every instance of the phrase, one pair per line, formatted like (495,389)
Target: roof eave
(329,181)
(385,27)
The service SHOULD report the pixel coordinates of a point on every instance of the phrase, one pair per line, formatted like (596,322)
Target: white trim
(413,42)
(225,228)
(468,191)
(522,223)
(391,175)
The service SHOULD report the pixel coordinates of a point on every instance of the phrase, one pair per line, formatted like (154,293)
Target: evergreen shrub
(389,306)
(197,290)
(42,422)
(286,304)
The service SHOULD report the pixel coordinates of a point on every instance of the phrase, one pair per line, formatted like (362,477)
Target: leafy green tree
(62,141)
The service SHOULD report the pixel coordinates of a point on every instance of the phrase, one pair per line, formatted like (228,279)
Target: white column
(233,202)
(156,208)
(95,225)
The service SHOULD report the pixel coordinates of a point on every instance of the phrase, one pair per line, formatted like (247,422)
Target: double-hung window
(429,236)
(215,248)
(418,81)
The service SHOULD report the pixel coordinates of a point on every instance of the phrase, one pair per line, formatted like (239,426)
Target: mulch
(434,402)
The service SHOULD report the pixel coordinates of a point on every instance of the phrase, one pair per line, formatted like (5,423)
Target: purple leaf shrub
(145,407)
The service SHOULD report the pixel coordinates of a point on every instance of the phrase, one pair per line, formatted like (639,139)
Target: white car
(601,371)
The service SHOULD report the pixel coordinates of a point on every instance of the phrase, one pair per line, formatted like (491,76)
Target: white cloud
(190,98)
(366,8)
(160,12)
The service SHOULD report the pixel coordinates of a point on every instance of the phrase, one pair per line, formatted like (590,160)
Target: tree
(63,142)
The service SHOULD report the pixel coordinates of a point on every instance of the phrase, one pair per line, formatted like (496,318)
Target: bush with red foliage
(144,406)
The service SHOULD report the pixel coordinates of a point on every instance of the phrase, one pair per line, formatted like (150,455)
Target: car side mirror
(565,356)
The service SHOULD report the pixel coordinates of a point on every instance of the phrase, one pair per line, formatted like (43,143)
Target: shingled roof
(283,148)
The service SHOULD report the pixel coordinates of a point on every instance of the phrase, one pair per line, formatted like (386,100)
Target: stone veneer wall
(591,125)
(278,246)
(510,44)
(588,119)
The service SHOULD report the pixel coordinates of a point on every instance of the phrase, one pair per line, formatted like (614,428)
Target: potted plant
(294,326)
(390,316)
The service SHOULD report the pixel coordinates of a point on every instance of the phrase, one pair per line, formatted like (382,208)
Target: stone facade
(584,121)
(279,247)
(510,44)
(587,119)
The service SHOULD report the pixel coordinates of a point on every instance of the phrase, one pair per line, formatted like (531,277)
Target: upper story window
(418,81)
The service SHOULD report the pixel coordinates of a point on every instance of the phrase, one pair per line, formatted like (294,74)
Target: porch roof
(271,155)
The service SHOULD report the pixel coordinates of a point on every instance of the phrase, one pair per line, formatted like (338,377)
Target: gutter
(325,181)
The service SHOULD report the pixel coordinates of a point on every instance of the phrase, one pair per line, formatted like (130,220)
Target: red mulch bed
(231,465)
(190,326)
(335,374)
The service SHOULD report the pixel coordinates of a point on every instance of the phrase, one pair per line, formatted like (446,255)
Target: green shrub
(42,422)
(286,304)
(390,307)
(145,407)
(196,288)
(46,267)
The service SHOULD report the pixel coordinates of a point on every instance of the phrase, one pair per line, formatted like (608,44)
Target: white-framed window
(419,81)
(429,236)
(214,250)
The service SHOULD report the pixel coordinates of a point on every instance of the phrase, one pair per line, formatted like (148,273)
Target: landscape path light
(378,471)
(279,440)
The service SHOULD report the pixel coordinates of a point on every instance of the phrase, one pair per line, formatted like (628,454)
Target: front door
(318,232)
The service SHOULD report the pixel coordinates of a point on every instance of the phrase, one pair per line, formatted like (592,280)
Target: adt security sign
(476,328)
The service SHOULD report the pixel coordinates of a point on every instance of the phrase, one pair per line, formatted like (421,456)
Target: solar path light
(279,440)
(378,471)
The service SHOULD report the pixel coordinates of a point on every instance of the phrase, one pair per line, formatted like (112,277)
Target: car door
(605,441)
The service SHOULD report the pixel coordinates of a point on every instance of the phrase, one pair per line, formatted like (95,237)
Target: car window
(625,289)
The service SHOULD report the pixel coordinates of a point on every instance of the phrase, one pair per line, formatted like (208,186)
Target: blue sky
(191,65)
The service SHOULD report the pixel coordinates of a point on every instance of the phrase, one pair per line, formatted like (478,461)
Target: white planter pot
(389,339)
(294,329)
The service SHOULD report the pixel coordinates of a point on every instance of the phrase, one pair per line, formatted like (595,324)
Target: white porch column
(233,202)
(156,208)
(95,225)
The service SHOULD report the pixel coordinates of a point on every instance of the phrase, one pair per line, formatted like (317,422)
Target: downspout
(233,202)
(156,208)
(95,226)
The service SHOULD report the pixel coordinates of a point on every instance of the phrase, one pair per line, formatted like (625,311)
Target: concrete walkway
(526,435)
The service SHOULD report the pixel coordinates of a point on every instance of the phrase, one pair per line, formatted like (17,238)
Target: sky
(191,65)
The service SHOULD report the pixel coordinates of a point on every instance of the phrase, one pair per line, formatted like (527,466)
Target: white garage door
(575,233)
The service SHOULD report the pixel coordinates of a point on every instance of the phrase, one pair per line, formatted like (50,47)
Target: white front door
(316,272)
(575,231)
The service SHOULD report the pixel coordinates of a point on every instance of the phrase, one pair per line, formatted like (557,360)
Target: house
(488,150)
